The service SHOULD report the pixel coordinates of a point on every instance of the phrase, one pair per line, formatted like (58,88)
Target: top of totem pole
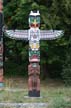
(34,12)
(34,29)
(34,19)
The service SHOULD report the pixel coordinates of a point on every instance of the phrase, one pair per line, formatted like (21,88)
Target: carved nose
(35,23)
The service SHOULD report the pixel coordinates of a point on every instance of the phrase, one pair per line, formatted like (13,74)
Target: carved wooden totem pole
(1,45)
(34,55)
(34,35)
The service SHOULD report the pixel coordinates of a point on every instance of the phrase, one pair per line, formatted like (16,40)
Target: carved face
(34,56)
(34,21)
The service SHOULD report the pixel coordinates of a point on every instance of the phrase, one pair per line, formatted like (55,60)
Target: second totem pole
(1,45)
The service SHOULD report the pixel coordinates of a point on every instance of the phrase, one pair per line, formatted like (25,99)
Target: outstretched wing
(17,34)
(50,34)
(44,34)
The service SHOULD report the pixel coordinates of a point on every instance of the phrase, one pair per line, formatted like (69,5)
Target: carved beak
(35,23)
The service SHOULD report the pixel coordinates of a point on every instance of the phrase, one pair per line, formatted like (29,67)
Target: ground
(53,92)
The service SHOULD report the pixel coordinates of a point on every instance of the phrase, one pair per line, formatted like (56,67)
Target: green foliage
(14,69)
(66,74)
(35,6)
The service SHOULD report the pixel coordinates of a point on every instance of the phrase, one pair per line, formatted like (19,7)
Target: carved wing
(17,34)
(23,34)
(50,34)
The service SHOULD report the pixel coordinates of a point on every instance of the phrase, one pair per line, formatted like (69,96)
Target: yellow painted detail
(34,45)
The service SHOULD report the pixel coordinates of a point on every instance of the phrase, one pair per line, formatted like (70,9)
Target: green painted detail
(34,65)
(32,19)
(1,64)
(38,19)
(34,53)
(1,84)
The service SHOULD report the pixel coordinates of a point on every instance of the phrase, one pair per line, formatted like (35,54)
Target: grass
(52,92)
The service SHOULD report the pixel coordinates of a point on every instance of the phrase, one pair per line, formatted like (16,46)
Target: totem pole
(33,35)
(34,55)
(1,45)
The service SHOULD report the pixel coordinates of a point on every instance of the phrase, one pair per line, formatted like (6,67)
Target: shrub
(66,74)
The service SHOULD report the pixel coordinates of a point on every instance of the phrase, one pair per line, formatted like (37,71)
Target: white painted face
(34,34)
(34,19)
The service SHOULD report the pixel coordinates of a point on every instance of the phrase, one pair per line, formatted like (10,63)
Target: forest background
(55,54)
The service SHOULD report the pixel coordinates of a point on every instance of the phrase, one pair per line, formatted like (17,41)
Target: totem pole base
(34,93)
